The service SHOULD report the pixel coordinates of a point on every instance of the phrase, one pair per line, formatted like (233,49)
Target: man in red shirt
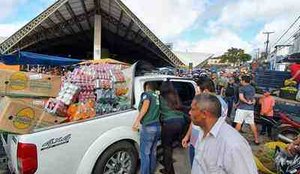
(295,72)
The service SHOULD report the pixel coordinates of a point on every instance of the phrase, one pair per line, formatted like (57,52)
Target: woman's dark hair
(151,85)
(206,83)
(169,93)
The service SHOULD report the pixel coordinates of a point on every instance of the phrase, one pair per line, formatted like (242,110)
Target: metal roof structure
(66,27)
(197,58)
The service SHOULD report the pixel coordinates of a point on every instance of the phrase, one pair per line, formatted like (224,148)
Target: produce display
(91,90)
(266,156)
(289,91)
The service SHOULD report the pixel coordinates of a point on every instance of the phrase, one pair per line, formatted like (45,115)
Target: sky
(208,26)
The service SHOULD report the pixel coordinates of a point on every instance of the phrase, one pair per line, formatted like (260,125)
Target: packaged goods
(26,84)
(81,110)
(18,117)
(67,93)
(57,107)
(91,89)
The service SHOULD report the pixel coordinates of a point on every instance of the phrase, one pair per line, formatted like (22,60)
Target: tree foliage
(235,55)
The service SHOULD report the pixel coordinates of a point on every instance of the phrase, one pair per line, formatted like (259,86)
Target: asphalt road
(181,163)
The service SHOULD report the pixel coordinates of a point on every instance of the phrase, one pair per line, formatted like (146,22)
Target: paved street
(181,164)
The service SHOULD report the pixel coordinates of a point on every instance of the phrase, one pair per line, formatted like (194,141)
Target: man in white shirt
(205,85)
(220,148)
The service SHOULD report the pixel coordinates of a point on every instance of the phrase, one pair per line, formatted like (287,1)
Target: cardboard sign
(26,84)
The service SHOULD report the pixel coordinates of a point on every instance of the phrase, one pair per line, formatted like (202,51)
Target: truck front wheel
(120,158)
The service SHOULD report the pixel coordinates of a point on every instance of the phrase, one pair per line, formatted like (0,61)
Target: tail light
(27,158)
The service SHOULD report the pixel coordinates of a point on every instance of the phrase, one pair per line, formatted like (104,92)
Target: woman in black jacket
(172,119)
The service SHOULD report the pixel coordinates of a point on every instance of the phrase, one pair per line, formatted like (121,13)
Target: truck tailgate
(10,144)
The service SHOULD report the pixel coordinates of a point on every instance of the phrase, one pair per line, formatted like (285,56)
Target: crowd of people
(221,106)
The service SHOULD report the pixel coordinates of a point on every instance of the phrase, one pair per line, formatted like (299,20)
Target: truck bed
(72,141)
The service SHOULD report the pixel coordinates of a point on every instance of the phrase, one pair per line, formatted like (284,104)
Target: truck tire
(119,158)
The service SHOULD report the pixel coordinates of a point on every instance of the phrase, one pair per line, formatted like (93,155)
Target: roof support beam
(62,19)
(120,21)
(136,35)
(169,54)
(51,24)
(85,12)
(141,47)
(97,37)
(70,10)
(25,30)
(124,28)
(109,11)
(129,28)
(55,28)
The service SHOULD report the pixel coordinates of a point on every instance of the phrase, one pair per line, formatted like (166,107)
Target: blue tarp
(28,58)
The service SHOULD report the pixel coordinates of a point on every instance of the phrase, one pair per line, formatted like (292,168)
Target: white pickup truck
(101,145)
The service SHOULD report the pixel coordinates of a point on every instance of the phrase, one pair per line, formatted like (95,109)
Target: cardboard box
(26,84)
(47,120)
(20,118)
(34,102)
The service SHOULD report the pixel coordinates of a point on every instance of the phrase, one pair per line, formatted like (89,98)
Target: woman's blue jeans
(149,137)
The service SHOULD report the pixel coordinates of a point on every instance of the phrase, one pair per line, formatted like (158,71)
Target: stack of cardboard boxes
(24,95)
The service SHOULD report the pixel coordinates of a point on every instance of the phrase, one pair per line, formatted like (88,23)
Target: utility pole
(267,42)
(256,53)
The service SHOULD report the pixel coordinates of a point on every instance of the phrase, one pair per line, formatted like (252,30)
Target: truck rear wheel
(120,158)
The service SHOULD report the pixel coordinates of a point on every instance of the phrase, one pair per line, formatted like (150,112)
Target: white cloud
(7,7)
(278,26)
(10,7)
(240,14)
(167,18)
(7,30)
(276,16)
(216,44)
(2,39)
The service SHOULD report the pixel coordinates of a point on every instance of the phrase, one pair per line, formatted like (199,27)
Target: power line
(289,42)
(286,31)
(291,36)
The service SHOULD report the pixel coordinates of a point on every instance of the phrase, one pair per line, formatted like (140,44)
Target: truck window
(186,92)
